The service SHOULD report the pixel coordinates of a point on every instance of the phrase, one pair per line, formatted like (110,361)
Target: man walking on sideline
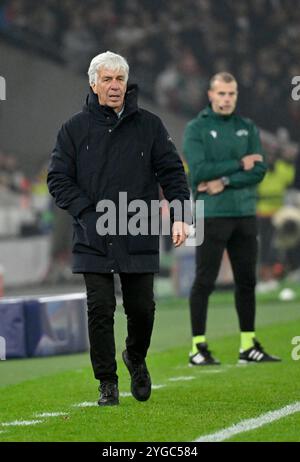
(114,146)
(225,161)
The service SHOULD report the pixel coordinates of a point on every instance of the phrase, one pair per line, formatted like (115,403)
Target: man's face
(223,97)
(110,88)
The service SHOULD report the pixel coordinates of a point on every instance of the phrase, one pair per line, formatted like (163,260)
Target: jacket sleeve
(170,173)
(200,168)
(61,177)
(254,176)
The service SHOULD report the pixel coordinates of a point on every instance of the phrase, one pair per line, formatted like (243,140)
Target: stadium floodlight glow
(2,349)
(296,89)
(2,88)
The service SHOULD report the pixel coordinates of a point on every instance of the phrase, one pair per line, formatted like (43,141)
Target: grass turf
(214,399)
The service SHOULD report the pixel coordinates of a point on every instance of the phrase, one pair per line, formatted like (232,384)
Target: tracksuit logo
(242,132)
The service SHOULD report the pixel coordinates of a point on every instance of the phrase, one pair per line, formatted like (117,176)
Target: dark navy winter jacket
(97,155)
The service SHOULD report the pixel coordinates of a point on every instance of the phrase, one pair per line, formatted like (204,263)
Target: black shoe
(203,357)
(109,394)
(140,378)
(256,354)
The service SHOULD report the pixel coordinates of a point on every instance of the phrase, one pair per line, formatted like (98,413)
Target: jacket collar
(208,112)
(131,104)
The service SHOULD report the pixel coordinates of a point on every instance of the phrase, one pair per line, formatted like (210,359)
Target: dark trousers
(139,306)
(239,237)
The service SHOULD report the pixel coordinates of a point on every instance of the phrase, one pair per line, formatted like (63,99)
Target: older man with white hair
(114,146)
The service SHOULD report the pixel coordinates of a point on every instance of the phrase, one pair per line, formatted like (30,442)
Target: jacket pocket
(146,242)
(86,238)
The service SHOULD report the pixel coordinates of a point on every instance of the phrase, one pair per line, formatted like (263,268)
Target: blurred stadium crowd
(24,203)
(173,48)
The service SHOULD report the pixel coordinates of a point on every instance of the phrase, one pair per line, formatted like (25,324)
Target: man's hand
(202,187)
(248,162)
(215,187)
(180,232)
(211,187)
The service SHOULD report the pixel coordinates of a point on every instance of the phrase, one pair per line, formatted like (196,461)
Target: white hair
(107,60)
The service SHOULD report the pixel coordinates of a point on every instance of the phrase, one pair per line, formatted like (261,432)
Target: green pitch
(186,403)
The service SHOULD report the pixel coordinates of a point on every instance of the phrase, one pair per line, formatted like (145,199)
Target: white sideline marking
(126,394)
(202,368)
(213,371)
(51,414)
(181,379)
(21,423)
(85,404)
(181,366)
(250,424)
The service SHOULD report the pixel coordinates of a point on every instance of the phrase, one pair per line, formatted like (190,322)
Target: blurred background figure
(182,85)
(270,199)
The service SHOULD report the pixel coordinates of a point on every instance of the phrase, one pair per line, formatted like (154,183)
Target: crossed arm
(208,176)
(218,185)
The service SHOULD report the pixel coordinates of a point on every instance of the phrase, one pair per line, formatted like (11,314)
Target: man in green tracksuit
(225,162)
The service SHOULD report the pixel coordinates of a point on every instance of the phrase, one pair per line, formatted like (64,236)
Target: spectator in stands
(78,44)
(11,177)
(270,198)
(182,85)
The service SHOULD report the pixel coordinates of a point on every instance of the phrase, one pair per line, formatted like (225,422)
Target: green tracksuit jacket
(213,147)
